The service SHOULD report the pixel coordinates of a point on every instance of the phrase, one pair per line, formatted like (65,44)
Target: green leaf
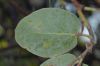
(2,62)
(62,60)
(48,32)
(85,65)
(1,30)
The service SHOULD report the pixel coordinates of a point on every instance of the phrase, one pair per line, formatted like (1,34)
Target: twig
(84,20)
(49,3)
(91,9)
(85,23)
(20,9)
(79,7)
(80,58)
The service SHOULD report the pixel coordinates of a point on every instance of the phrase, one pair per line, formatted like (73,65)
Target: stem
(19,8)
(49,3)
(80,58)
(85,35)
(84,22)
(88,36)
(91,9)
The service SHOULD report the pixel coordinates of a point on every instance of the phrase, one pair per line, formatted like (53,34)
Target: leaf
(48,32)
(1,30)
(85,65)
(2,62)
(62,60)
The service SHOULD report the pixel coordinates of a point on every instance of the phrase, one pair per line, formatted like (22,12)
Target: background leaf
(85,65)
(48,32)
(1,30)
(62,60)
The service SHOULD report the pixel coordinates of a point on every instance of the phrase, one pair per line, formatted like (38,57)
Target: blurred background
(12,11)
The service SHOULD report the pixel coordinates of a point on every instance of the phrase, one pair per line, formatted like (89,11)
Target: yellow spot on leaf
(47,44)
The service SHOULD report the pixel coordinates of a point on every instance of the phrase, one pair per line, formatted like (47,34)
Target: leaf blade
(48,27)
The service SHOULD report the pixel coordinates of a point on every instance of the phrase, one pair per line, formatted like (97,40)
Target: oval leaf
(48,32)
(62,60)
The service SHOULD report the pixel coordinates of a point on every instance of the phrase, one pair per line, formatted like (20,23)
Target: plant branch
(80,58)
(20,9)
(84,20)
(91,9)
(84,23)
(49,3)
